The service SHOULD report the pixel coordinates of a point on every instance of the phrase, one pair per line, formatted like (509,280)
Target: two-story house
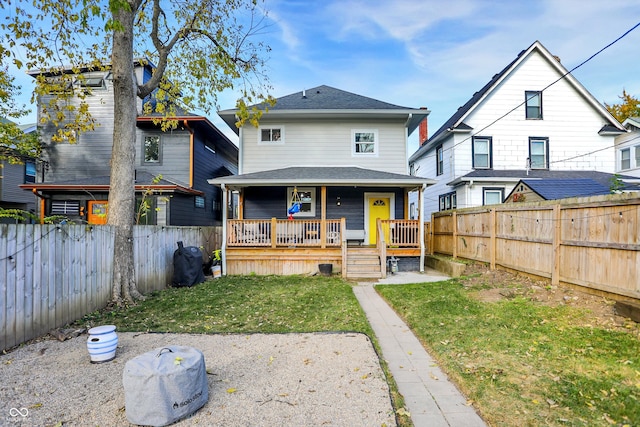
(323,179)
(628,148)
(12,175)
(172,167)
(532,120)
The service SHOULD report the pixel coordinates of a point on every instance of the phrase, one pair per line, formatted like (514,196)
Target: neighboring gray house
(532,116)
(172,167)
(12,175)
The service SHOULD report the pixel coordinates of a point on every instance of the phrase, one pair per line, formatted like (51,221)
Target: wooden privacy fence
(51,275)
(591,242)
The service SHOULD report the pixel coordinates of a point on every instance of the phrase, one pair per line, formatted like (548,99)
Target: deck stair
(363,263)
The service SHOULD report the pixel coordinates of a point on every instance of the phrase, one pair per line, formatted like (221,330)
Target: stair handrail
(381,245)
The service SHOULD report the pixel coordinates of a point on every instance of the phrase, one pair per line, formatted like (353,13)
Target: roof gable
(456,120)
(331,102)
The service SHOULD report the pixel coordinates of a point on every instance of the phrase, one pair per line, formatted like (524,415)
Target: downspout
(421,226)
(186,125)
(240,151)
(224,229)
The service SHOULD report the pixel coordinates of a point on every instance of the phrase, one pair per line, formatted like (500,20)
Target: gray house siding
(271,202)
(91,155)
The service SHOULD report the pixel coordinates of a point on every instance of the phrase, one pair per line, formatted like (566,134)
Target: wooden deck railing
(401,233)
(277,233)
(397,233)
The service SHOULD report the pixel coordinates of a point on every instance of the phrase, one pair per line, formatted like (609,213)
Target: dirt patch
(496,285)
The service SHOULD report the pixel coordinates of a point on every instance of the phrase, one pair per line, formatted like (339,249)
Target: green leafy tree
(199,49)
(15,145)
(629,106)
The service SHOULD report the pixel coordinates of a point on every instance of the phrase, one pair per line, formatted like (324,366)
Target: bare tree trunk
(122,187)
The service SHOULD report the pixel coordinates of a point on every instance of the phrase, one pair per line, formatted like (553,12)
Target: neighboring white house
(628,148)
(532,120)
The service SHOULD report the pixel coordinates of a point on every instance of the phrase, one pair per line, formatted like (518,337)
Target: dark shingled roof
(559,188)
(319,175)
(329,98)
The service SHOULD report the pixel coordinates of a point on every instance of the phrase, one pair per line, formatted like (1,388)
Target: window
(152,149)
(625,159)
(29,172)
(492,196)
(199,202)
(307,198)
(533,102)
(65,207)
(365,142)
(439,160)
(92,82)
(273,135)
(482,156)
(637,156)
(538,148)
(448,201)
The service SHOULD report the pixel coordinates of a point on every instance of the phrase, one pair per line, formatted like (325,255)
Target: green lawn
(524,363)
(245,304)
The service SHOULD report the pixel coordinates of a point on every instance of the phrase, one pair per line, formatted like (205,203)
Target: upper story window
(92,82)
(152,149)
(439,160)
(538,153)
(271,135)
(482,155)
(625,158)
(533,102)
(365,142)
(29,172)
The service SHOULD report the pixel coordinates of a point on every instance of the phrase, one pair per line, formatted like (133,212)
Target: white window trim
(488,154)
(486,190)
(301,214)
(282,133)
(628,150)
(376,143)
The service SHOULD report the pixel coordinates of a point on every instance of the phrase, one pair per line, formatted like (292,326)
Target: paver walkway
(431,399)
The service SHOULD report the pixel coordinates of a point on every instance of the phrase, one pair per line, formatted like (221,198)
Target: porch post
(223,244)
(421,225)
(323,217)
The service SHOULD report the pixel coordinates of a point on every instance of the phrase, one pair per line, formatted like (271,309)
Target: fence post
(555,275)
(454,219)
(492,248)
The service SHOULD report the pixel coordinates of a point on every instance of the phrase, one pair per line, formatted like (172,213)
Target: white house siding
(569,121)
(320,143)
(629,140)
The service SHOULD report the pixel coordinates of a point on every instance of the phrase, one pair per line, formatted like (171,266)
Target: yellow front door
(378,208)
(97,212)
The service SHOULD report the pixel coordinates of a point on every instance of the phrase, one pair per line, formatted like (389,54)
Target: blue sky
(435,53)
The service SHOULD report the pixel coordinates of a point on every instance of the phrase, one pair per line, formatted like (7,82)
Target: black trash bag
(187,266)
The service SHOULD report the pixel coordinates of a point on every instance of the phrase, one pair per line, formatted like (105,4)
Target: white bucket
(216,270)
(102,343)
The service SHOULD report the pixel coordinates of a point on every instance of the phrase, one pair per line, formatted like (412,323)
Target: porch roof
(321,175)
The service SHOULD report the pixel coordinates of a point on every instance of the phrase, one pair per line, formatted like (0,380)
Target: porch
(298,246)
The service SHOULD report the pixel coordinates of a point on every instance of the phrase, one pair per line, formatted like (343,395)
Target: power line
(545,88)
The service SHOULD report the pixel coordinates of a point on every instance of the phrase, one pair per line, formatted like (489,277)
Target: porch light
(338,202)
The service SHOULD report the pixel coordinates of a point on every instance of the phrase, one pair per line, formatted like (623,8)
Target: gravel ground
(254,380)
